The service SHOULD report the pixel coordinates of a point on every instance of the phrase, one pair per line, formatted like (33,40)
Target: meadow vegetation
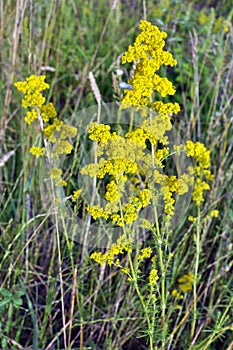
(171,289)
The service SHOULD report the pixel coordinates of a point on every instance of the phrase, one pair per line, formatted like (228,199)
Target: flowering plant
(134,162)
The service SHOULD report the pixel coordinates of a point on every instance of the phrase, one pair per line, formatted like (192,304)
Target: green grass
(65,40)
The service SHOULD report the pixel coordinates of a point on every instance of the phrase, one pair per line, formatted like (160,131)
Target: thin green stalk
(163,286)
(47,145)
(134,278)
(162,270)
(160,251)
(197,240)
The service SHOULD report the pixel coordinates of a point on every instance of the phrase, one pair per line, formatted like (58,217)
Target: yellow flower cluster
(152,283)
(199,187)
(129,211)
(48,112)
(37,151)
(200,171)
(76,195)
(115,191)
(32,88)
(119,159)
(177,294)
(54,130)
(153,130)
(122,245)
(51,129)
(185,285)
(146,224)
(30,117)
(145,253)
(99,132)
(165,108)
(97,212)
(56,174)
(63,147)
(153,277)
(214,213)
(186,282)
(149,55)
(199,152)
(169,186)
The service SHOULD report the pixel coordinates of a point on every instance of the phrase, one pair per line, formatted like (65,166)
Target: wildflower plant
(130,168)
(120,158)
(55,136)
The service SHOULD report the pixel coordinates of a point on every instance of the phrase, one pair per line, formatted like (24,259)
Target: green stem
(159,240)
(195,275)
(49,155)
(134,278)
(162,270)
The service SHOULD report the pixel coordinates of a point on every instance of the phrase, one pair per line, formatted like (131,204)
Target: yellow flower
(166,108)
(126,270)
(146,224)
(192,219)
(186,282)
(32,84)
(155,129)
(122,245)
(114,192)
(98,257)
(199,152)
(99,132)
(148,52)
(199,172)
(214,213)
(117,219)
(144,253)
(153,277)
(145,197)
(63,147)
(32,88)
(50,130)
(199,187)
(130,211)
(37,151)
(35,99)
(60,182)
(226,26)
(55,173)
(76,195)
(67,131)
(182,186)
(176,294)
(97,212)
(30,116)
(48,112)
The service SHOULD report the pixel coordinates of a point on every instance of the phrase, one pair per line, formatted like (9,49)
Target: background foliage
(66,40)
